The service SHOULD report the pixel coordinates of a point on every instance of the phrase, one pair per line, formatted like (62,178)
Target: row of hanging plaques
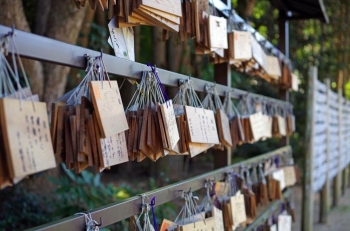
(230,203)
(153,126)
(89,126)
(25,140)
(224,39)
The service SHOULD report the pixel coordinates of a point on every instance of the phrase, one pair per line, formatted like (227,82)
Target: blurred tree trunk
(12,13)
(346,52)
(185,65)
(158,48)
(42,15)
(86,27)
(101,19)
(58,20)
(137,39)
(159,59)
(64,24)
(245,8)
(83,40)
(174,53)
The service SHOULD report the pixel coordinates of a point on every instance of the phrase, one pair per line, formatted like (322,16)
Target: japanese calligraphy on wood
(108,104)
(27,137)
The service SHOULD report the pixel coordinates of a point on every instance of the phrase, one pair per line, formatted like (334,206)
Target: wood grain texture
(109,107)
(27,139)
(171,6)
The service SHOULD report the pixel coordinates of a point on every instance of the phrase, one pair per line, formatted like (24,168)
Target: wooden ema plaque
(289,175)
(258,53)
(166,224)
(109,107)
(197,148)
(258,125)
(5,179)
(238,211)
(219,220)
(273,67)
(218,32)
(170,6)
(285,222)
(273,227)
(295,82)
(268,125)
(122,40)
(282,126)
(242,47)
(279,176)
(201,125)
(114,150)
(169,121)
(26,134)
(111,150)
(224,128)
(166,14)
(203,225)
(221,189)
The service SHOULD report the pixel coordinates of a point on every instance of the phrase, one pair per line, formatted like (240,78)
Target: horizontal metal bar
(119,211)
(268,212)
(49,50)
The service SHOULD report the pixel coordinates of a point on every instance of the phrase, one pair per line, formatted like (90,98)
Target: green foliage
(347,90)
(98,37)
(145,44)
(21,210)
(78,193)
(30,12)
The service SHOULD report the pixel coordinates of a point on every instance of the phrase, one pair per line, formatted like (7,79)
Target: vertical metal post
(325,193)
(347,169)
(338,177)
(222,75)
(344,144)
(283,25)
(283,43)
(308,195)
(344,180)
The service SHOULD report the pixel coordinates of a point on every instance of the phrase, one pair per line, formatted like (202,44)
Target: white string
(83,89)
(90,224)
(148,91)
(147,225)
(207,203)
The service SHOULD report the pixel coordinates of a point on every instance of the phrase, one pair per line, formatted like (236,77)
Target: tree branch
(12,13)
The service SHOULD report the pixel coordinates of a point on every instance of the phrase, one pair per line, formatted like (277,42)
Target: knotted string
(233,187)
(158,80)
(274,220)
(152,204)
(214,196)
(91,225)
(283,207)
(276,160)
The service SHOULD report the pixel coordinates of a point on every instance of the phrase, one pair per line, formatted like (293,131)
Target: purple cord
(274,220)
(216,200)
(158,80)
(282,207)
(277,161)
(153,202)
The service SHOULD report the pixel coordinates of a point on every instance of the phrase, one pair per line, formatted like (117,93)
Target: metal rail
(116,212)
(49,50)
(268,212)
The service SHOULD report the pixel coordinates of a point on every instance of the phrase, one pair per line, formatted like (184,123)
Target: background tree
(58,20)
